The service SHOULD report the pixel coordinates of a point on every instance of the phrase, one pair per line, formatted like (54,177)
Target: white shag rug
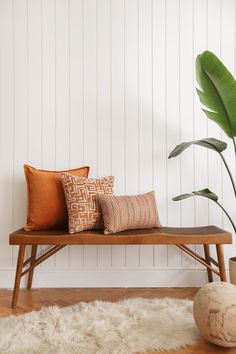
(125,327)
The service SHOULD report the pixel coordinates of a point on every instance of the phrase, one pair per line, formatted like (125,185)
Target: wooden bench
(156,236)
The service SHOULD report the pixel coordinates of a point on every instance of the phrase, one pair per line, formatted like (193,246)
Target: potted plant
(217,93)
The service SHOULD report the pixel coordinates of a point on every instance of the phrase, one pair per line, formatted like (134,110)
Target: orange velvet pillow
(46,201)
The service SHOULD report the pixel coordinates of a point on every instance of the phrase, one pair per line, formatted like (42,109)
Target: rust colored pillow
(82,200)
(46,201)
(129,212)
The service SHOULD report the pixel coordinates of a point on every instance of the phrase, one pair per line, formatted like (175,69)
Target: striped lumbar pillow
(129,212)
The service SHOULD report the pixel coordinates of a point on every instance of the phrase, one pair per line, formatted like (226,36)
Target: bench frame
(157,236)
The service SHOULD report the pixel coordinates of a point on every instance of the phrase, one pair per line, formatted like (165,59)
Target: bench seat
(161,236)
(180,237)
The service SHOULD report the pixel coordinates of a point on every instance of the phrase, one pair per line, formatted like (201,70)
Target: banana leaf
(206,193)
(210,143)
(202,193)
(217,91)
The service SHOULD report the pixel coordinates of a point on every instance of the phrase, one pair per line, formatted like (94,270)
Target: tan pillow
(46,200)
(129,212)
(81,195)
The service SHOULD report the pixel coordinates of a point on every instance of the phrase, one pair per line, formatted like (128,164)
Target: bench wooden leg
(31,272)
(220,256)
(207,258)
(19,267)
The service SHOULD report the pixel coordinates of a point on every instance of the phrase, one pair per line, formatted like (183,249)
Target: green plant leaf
(207,194)
(202,193)
(182,197)
(217,91)
(209,143)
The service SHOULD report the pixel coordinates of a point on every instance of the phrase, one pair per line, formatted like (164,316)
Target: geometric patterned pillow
(81,194)
(129,212)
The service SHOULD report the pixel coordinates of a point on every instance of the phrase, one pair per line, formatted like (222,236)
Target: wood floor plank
(35,299)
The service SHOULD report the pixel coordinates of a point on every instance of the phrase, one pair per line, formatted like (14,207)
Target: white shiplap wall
(110,83)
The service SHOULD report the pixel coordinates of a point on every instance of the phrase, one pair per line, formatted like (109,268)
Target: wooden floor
(36,298)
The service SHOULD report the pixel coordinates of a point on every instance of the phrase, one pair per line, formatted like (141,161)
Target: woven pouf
(214,311)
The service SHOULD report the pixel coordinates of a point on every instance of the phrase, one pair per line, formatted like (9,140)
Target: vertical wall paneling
(118,111)
(132,111)
(200,120)
(228,56)
(117,95)
(173,120)
(34,89)
(62,83)
(132,94)
(76,97)
(76,93)
(21,152)
(186,102)
(214,29)
(6,128)
(48,84)
(62,98)
(214,163)
(145,112)
(103,107)
(48,92)
(90,104)
(90,84)
(34,20)
(111,84)
(160,152)
(21,114)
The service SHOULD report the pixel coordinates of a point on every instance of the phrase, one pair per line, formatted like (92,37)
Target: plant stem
(231,221)
(228,170)
(234,145)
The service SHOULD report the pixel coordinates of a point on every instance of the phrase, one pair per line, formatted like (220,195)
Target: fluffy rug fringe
(125,327)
